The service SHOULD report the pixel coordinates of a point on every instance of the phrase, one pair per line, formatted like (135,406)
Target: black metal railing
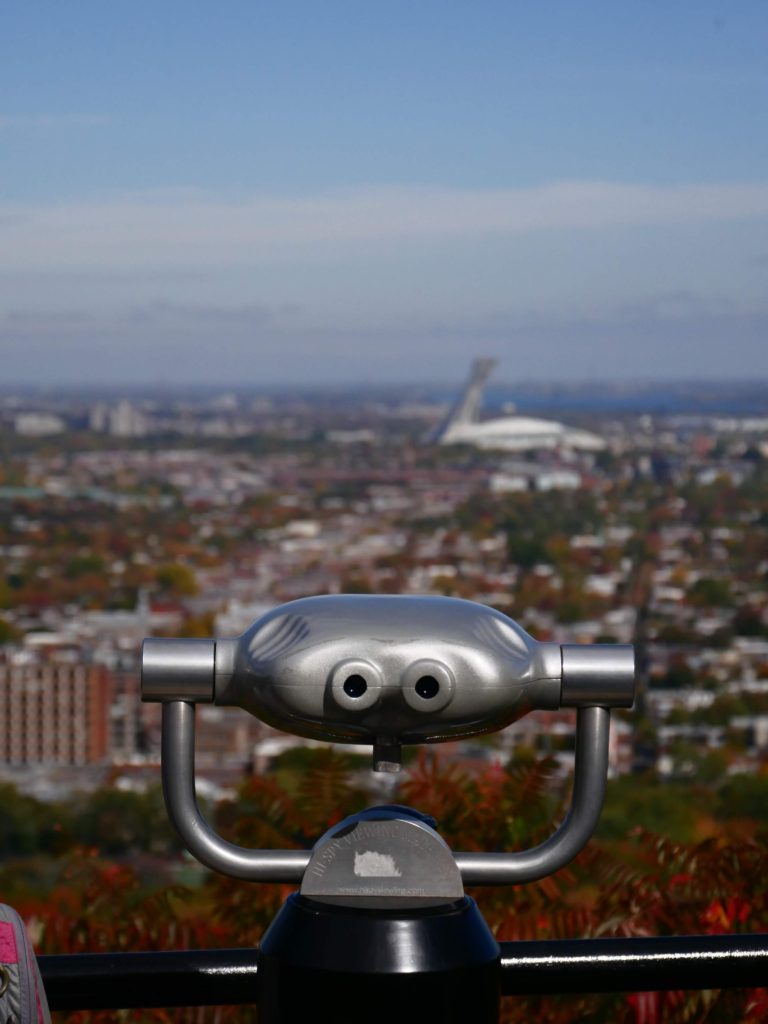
(219,977)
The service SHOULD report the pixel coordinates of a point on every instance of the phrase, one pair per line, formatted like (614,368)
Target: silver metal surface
(356,684)
(178,772)
(351,668)
(288,865)
(586,803)
(428,686)
(384,857)
(177,670)
(601,674)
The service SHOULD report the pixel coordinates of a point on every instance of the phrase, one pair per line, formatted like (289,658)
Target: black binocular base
(324,962)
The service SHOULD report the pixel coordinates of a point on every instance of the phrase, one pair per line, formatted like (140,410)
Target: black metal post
(326,962)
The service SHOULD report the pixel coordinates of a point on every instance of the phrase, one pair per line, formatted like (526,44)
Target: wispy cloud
(157,314)
(46,121)
(190,230)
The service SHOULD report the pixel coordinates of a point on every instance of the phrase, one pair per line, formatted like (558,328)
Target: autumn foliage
(642,885)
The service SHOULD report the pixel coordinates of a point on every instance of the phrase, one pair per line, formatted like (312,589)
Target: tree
(748,621)
(710,592)
(745,797)
(8,633)
(117,822)
(177,579)
(29,826)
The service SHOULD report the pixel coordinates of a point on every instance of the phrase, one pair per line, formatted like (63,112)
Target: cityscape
(133,517)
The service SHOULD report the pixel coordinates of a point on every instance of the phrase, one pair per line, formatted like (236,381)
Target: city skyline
(378,195)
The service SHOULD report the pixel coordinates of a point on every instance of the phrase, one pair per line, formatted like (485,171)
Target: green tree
(8,633)
(647,802)
(83,565)
(29,826)
(710,592)
(177,579)
(744,796)
(116,822)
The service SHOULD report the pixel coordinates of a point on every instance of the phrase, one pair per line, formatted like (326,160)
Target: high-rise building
(53,711)
(125,420)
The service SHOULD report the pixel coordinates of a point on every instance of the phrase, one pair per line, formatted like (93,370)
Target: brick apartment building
(54,709)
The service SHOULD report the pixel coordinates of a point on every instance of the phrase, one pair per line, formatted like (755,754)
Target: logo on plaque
(375,865)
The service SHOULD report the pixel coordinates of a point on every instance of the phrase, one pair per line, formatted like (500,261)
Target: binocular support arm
(590,774)
(178,773)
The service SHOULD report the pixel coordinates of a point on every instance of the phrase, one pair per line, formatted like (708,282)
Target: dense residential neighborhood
(192,518)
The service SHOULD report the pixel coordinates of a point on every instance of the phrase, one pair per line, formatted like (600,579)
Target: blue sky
(302,192)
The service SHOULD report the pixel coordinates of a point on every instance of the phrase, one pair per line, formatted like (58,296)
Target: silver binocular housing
(386,670)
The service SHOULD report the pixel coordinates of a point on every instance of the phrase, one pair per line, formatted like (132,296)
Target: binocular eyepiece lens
(427,687)
(355,686)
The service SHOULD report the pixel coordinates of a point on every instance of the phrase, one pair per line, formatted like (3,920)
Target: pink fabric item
(23,998)
(38,1004)
(9,954)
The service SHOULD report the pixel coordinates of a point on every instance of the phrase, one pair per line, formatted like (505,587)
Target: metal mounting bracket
(178,775)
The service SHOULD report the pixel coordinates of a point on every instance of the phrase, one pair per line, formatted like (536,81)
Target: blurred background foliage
(105,872)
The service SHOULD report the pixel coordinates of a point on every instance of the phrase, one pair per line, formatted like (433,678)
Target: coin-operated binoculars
(380,928)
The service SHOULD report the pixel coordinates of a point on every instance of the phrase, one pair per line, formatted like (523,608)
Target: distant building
(557,480)
(506,433)
(38,424)
(360,436)
(509,482)
(53,710)
(98,418)
(526,476)
(125,420)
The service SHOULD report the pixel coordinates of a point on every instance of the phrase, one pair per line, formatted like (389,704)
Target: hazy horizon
(731,394)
